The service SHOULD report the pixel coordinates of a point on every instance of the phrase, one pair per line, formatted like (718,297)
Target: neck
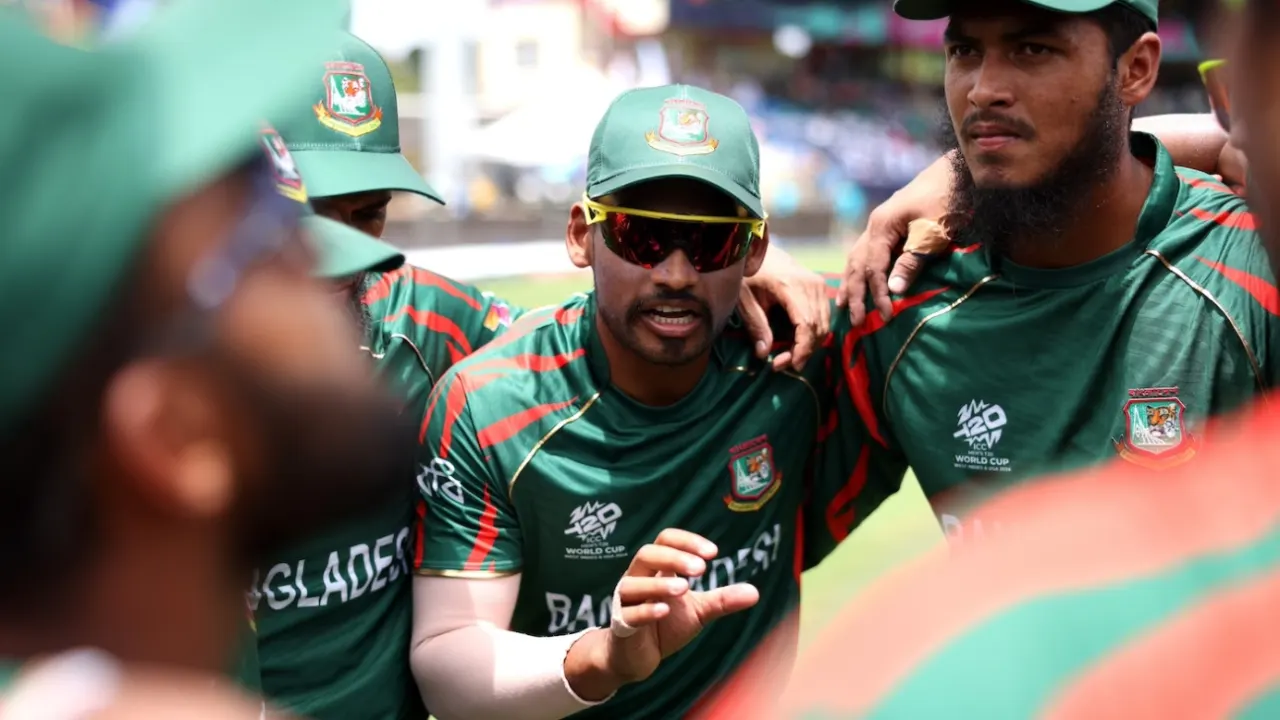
(1106,220)
(645,382)
(158,605)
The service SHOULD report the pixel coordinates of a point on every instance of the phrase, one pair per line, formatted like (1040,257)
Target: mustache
(985,116)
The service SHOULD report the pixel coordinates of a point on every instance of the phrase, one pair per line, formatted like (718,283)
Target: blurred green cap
(108,138)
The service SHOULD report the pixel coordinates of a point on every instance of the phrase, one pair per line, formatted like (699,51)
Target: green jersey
(991,372)
(539,466)
(334,614)
(1164,608)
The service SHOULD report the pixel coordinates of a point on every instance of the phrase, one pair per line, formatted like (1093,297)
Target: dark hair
(1123,26)
(47,523)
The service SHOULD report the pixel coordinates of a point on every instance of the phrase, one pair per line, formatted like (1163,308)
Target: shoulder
(538,356)
(1212,241)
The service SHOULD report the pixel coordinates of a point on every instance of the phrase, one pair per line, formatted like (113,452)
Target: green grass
(901,528)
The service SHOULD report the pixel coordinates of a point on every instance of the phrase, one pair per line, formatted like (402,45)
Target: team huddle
(436,502)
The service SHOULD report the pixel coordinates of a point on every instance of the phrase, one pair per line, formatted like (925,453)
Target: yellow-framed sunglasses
(647,237)
(1213,73)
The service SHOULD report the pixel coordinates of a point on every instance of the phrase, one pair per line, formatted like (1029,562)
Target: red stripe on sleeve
(434,322)
(1260,290)
(1234,219)
(419,532)
(486,535)
(507,427)
(454,403)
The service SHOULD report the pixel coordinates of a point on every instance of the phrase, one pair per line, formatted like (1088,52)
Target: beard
(624,325)
(1003,217)
(326,455)
(360,313)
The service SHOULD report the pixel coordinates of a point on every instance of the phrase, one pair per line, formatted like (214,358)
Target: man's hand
(801,292)
(927,197)
(655,614)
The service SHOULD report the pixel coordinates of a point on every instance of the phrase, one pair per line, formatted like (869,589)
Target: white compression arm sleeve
(469,666)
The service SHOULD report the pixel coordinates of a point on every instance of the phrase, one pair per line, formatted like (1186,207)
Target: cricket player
(1111,301)
(620,477)
(333,614)
(1116,596)
(172,376)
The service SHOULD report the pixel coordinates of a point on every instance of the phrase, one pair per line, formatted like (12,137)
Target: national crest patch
(683,129)
(1155,433)
(753,474)
(348,106)
(283,168)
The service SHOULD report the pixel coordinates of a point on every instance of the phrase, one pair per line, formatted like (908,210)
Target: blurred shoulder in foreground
(1123,592)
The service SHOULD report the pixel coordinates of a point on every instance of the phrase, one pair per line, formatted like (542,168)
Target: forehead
(677,195)
(1008,19)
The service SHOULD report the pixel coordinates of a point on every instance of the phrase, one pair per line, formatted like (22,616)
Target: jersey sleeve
(466,523)
(446,319)
(856,466)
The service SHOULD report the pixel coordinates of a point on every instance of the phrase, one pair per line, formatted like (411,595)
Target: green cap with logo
(346,136)
(676,131)
(108,138)
(343,251)
(938,9)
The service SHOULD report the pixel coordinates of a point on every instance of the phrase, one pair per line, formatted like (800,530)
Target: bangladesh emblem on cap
(283,169)
(755,479)
(682,129)
(348,105)
(1155,433)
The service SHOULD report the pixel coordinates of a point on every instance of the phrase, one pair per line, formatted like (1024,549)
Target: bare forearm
(478,672)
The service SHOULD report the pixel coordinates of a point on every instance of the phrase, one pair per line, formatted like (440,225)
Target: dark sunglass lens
(648,241)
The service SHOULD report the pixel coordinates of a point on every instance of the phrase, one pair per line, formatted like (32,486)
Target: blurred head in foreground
(177,395)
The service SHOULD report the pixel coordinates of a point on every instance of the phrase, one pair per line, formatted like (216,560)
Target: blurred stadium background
(498,100)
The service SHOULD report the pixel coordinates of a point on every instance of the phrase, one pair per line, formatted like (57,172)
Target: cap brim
(716,180)
(345,251)
(343,172)
(939,9)
(218,70)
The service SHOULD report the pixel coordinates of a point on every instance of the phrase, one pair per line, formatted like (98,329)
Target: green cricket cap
(346,135)
(938,9)
(108,138)
(343,250)
(676,131)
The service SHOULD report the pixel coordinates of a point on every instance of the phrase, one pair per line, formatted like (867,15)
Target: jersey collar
(1156,214)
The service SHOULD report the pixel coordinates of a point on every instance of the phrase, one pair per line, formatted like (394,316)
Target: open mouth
(671,315)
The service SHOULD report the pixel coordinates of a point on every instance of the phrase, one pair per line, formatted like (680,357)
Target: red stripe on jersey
(486,536)
(1234,219)
(525,361)
(434,322)
(507,427)
(859,378)
(454,403)
(1261,290)
(1208,661)
(420,277)
(1206,184)
(841,512)
(568,316)
(419,532)
(519,329)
